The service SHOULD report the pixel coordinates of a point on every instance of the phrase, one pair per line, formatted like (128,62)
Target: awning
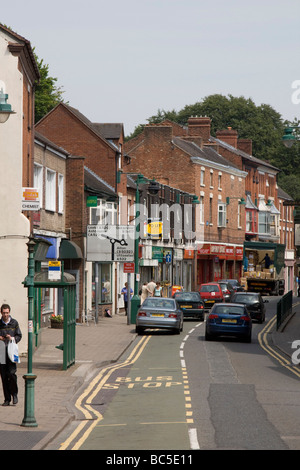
(69,250)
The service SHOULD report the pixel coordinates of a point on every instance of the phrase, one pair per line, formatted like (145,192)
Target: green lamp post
(29,419)
(153,189)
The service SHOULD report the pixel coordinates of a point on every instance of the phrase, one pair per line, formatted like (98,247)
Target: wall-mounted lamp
(5,108)
(289,138)
(241,200)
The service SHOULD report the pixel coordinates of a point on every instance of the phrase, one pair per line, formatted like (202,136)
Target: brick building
(183,158)
(94,167)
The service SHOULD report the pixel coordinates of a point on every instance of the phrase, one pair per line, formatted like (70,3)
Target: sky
(123,60)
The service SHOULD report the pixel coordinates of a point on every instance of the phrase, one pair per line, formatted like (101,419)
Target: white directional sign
(110,243)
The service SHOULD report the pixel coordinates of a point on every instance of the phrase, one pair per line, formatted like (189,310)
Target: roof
(20,40)
(242,154)
(283,195)
(98,186)
(109,130)
(85,121)
(48,143)
(205,153)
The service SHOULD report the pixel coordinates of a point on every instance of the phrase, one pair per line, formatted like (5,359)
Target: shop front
(218,261)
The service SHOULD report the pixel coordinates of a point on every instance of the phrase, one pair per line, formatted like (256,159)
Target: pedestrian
(144,292)
(267,261)
(158,290)
(9,328)
(150,287)
(124,292)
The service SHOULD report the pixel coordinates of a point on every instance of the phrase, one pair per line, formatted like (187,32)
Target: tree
(47,94)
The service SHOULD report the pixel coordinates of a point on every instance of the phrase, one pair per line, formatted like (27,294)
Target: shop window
(104,283)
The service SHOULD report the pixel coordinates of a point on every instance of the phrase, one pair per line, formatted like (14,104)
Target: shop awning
(69,250)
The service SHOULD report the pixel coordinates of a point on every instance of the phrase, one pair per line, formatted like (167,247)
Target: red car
(211,293)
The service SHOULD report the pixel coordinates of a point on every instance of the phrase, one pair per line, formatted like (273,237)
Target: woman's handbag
(13,351)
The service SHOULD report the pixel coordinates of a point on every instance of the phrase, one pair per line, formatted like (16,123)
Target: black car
(191,304)
(227,290)
(234,283)
(254,303)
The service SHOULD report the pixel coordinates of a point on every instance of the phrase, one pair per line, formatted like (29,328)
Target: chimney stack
(229,136)
(245,145)
(199,127)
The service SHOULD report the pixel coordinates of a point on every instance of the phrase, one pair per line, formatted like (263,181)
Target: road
(180,392)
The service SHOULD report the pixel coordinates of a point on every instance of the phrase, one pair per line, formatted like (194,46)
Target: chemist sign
(30,199)
(110,243)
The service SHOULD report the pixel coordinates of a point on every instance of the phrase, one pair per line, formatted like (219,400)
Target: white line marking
(193,438)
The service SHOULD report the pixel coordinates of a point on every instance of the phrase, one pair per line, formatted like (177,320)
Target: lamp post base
(29,419)
(135,304)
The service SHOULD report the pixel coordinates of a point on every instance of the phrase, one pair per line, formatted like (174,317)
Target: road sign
(128,268)
(54,270)
(110,243)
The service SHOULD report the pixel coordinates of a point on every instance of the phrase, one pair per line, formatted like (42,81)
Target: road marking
(193,439)
(194,444)
(96,384)
(263,341)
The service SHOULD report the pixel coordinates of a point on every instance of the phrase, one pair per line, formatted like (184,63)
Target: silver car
(159,312)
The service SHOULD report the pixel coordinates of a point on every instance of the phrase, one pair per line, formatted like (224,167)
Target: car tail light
(245,318)
(200,306)
(172,315)
(212,316)
(142,314)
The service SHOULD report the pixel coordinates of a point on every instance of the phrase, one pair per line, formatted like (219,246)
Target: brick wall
(63,128)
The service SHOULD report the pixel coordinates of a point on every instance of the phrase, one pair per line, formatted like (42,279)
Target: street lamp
(5,108)
(289,138)
(153,189)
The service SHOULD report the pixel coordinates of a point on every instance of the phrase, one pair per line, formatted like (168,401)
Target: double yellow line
(263,341)
(83,403)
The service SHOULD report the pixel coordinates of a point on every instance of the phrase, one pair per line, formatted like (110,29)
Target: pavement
(54,389)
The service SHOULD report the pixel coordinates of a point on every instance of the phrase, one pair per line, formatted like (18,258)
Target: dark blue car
(229,319)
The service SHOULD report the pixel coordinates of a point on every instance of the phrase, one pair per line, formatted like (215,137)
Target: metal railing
(284,308)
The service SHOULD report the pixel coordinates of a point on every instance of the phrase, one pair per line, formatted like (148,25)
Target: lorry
(257,276)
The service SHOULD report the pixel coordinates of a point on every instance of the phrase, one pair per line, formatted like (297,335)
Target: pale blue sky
(122,60)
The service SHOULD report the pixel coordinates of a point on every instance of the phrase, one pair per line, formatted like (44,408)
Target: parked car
(229,319)
(234,283)
(254,303)
(211,292)
(227,290)
(159,312)
(191,304)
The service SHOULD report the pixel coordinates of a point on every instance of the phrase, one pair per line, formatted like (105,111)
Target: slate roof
(205,153)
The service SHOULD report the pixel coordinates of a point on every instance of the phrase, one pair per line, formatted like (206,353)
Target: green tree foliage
(47,94)
(262,124)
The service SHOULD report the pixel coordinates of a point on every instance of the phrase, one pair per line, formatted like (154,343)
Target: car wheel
(139,330)
(248,338)
(208,337)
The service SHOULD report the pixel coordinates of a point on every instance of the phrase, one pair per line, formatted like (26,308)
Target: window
(104,213)
(102,283)
(202,176)
(201,209)
(38,181)
(264,222)
(60,193)
(221,215)
(220,180)
(50,190)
